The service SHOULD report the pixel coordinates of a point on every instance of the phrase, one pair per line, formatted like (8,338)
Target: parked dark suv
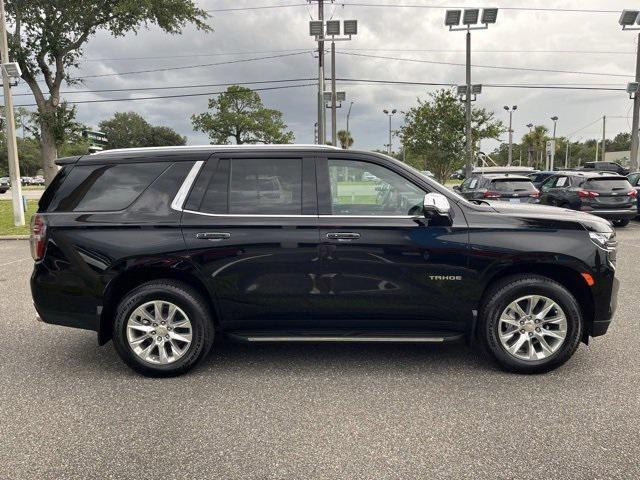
(165,249)
(501,187)
(604,194)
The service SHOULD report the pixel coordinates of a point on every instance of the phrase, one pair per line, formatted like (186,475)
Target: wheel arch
(127,281)
(571,279)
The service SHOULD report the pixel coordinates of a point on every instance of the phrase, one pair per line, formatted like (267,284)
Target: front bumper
(604,313)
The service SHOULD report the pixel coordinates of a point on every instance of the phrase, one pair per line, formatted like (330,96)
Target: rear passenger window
(266,186)
(562,182)
(95,188)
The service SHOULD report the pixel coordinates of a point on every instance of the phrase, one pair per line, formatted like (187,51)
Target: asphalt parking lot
(69,409)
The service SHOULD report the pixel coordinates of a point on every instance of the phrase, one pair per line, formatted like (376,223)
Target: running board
(264,337)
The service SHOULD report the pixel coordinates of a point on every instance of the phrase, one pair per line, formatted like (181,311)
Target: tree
(239,114)
(433,131)
(129,129)
(48,37)
(536,142)
(345,139)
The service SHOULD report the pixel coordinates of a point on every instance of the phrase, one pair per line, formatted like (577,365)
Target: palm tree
(345,139)
(536,142)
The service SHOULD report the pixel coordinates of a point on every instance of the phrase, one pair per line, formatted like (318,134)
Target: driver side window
(362,188)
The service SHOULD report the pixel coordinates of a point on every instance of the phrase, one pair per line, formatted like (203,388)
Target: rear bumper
(614,214)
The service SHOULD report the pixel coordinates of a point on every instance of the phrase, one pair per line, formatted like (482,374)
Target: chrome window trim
(262,215)
(181,196)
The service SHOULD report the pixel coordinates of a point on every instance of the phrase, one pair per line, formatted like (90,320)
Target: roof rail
(292,146)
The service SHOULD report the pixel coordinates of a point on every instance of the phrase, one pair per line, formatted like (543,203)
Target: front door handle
(215,236)
(343,236)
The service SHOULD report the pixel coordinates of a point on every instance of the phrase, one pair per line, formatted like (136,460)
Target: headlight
(604,240)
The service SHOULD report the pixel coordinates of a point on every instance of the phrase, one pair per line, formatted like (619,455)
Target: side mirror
(437,205)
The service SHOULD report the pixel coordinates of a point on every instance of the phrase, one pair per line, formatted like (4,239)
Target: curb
(15,237)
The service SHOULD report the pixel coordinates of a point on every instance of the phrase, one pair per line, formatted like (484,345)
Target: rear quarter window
(95,188)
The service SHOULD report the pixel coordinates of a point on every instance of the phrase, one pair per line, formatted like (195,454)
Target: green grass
(6,218)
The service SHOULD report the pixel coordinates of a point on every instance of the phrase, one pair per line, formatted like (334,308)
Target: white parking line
(15,261)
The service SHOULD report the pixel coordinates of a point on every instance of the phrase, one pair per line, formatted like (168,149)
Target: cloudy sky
(532,39)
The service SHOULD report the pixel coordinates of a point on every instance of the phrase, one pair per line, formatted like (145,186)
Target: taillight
(633,193)
(587,194)
(491,195)
(535,194)
(38,231)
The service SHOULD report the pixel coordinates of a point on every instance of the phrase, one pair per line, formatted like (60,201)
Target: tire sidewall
(531,286)
(196,311)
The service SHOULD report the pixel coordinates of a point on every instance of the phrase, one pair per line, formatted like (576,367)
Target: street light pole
(529,147)
(390,114)
(469,19)
(12,147)
(469,166)
(604,135)
(510,110)
(349,131)
(322,138)
(553,148)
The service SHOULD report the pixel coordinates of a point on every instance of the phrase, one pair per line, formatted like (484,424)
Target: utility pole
(334,128)
(566,155)
(604,133)
(12,147)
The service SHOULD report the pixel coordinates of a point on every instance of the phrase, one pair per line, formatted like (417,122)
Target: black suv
(604,194)
(607,167)
(502,187)
(164,249)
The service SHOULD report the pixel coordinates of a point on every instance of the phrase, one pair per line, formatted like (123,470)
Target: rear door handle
(215,236)
(343,236)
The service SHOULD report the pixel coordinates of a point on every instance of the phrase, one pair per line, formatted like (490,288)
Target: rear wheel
(621,223)
(530,324)
(163,328)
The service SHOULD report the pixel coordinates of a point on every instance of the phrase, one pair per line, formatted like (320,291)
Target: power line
(184,67)
(443,7)
(355,81)
(306,49)
(173,87)
(261,7)
(493,67)
(133,99)
(215,54)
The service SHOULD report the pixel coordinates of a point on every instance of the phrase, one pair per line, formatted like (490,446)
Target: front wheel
(163,328)
(530,324)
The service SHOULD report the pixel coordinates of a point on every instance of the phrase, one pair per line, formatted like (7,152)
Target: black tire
(505,291)
(187,299)
(621,223)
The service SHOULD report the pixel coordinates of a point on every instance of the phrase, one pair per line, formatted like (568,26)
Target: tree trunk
(48,152)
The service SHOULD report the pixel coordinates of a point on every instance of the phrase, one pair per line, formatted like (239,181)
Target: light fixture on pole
(390,114)
(332,31)
(629,20)
(510,110)
(469,18)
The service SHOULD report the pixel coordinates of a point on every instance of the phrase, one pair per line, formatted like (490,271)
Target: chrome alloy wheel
(532,327)
(159,332)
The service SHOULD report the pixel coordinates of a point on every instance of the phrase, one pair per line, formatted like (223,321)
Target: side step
(344,337)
